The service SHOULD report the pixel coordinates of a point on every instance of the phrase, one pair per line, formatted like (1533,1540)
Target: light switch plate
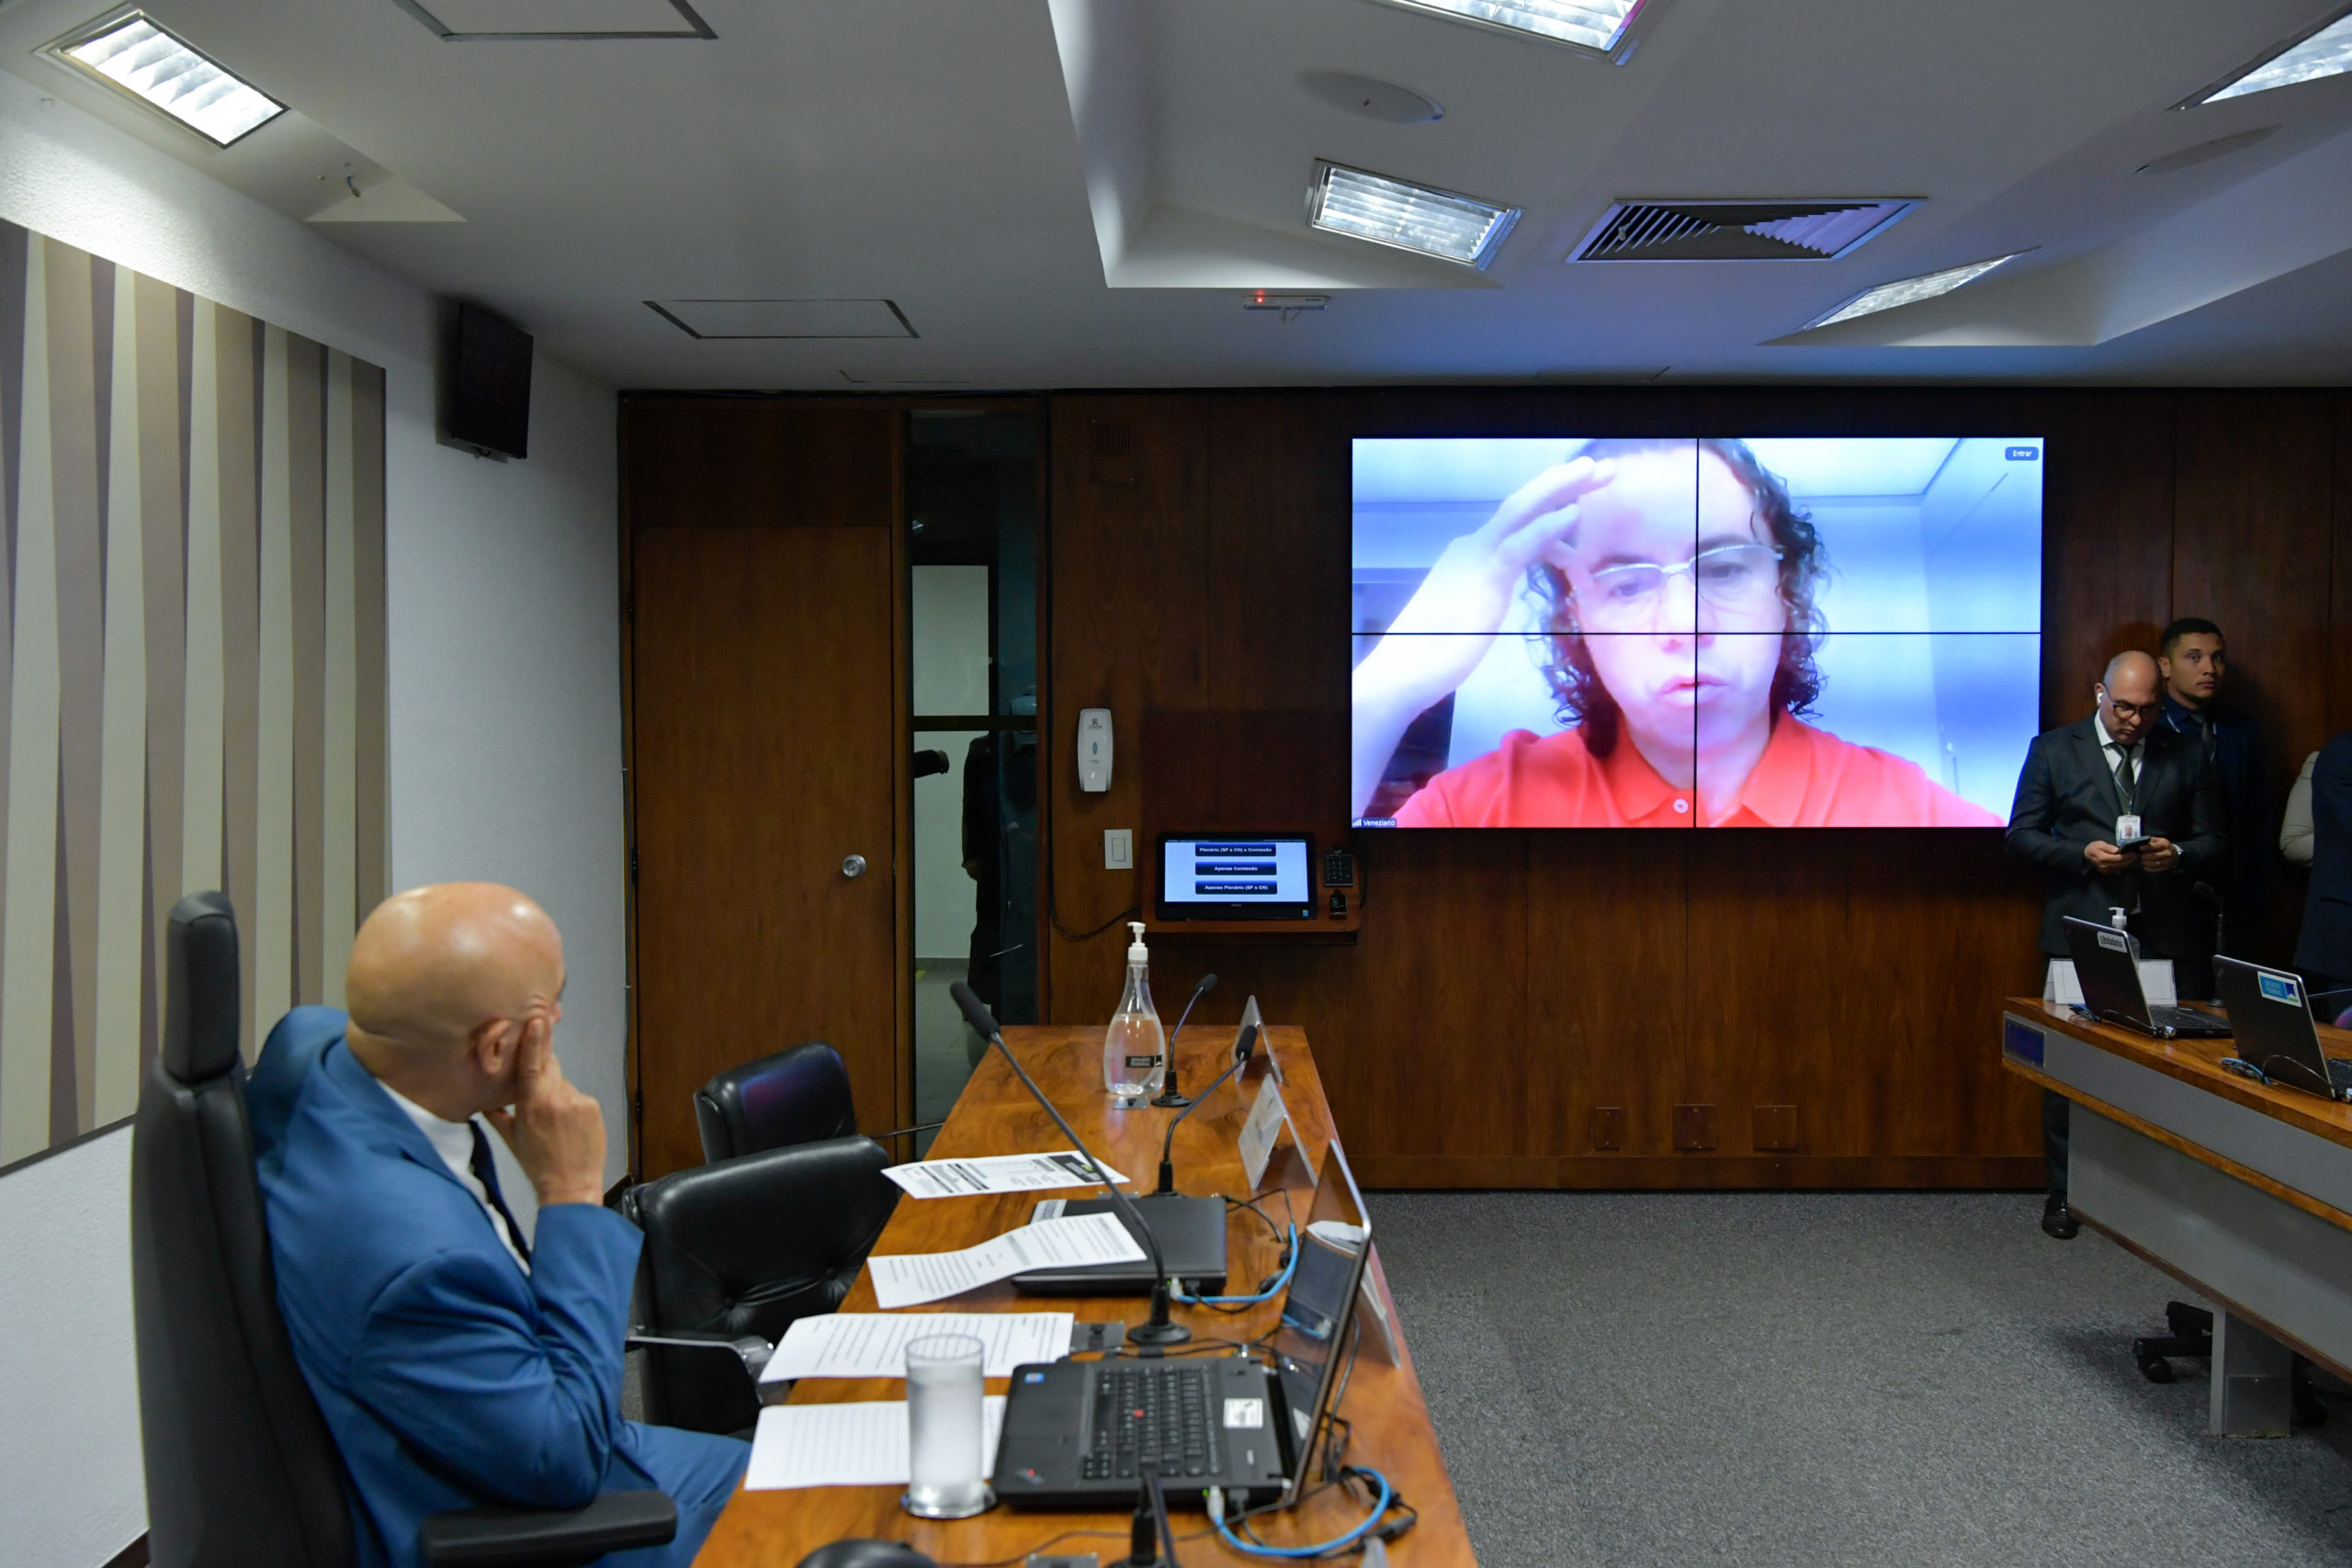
(1118,849)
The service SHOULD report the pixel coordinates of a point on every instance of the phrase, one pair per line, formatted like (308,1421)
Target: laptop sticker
(2116,940)
(1245,1413)
(2280,988)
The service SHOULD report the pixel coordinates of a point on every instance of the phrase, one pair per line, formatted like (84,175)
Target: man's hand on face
(557,1132)
(2158,854)
(2107,860)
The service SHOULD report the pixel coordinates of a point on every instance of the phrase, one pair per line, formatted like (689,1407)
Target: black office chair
(799,1094)
(241,1468)
(738,1250)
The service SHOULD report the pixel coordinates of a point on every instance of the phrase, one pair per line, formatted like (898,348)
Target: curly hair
(1796,686)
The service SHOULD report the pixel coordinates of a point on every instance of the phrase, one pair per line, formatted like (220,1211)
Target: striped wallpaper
(191,667)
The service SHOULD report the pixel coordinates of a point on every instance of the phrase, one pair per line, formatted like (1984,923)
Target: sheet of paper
(873,1344)
(846,1445)
(913,1277)
(995,1173)
(1264,1130)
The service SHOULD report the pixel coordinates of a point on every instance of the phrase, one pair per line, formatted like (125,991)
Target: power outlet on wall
(1118,849)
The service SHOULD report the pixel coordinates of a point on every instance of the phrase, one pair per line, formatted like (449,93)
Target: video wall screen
(1816,632)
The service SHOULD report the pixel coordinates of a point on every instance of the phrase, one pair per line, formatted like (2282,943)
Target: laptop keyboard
(2182,1018)
(2339,1073)
(1151,1413)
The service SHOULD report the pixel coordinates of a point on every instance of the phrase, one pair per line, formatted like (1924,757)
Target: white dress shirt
(454,1142)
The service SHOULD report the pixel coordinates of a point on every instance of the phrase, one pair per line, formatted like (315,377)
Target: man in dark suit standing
(2078,780)
(2324,952)
(2194,660)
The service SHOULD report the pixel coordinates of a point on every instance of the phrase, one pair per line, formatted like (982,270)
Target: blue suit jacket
(448,1377)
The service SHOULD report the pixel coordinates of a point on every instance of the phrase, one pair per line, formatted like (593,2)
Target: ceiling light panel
(2327,52)
(133,55)
(1421,219)
(1910,290)
(1597,25)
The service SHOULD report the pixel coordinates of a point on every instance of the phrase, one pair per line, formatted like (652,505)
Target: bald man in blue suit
(456,1361)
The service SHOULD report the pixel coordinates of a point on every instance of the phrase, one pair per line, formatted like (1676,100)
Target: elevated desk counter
(1381,1403)
(2241,1191)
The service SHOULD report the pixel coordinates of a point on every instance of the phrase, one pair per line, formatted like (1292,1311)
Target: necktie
(2124,779)
(486,1172)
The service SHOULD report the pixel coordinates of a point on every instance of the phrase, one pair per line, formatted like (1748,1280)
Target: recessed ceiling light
(1422,219)
(1910,290)
(134,55)
(1598,26)
(2327,52)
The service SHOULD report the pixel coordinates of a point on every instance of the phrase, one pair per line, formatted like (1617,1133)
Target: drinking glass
(948,1472)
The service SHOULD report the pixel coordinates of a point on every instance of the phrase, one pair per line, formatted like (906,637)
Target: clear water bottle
(1134,1050)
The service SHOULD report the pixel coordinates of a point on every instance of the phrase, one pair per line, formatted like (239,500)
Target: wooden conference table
(995,1115)
(2241,1191)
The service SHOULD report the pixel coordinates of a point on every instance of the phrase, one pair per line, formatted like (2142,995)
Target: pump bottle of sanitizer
(1134,1050)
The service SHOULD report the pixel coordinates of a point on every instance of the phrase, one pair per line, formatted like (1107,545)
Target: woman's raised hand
(1450,622)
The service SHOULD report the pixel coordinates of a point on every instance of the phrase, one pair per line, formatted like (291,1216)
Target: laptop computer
(2275,1029)
(1190,1232)
(1078,1434)
(2107,962)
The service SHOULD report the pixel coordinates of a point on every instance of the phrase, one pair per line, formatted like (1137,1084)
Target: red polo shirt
(1806,778)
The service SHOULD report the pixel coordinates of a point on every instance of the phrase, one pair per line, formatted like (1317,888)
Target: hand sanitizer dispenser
(1094,749)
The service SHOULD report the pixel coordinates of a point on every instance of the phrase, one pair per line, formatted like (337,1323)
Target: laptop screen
(1312,1344)
(2107,965)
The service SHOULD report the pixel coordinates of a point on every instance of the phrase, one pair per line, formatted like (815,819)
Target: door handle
(854,866)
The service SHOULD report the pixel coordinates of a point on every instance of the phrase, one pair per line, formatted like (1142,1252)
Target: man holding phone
(2120,812)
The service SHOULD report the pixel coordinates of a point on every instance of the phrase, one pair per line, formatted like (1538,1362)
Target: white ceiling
(1075,193)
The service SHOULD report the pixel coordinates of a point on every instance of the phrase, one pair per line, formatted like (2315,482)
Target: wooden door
(766,717)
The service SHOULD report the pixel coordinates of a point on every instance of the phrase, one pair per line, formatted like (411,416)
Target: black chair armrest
(749,1348)
(540,1537)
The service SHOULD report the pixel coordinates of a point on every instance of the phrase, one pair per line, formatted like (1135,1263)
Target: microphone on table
(1159,1330)
(1168,1094)
(1243,1049)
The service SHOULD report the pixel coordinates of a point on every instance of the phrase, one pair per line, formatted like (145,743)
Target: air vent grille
(1735,231)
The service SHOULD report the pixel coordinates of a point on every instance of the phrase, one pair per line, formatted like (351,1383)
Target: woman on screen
(1677,583)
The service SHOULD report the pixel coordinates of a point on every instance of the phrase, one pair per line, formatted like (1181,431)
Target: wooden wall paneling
(1768,912)
(2251,543)
(757,464)
(1440,1060)
(1608,988)
(1941,929)
(1130,588)
(1515,411)
(1278,539)
(2106,515)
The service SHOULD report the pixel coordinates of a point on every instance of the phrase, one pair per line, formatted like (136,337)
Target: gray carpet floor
(1812,1378)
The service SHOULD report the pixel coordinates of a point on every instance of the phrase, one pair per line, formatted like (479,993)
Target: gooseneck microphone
(1170,1095)
(1159,1330)
(1243,1049)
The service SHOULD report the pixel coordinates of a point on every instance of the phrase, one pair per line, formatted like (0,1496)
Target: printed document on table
(873,1344)
(910,1279)
(995,1173)
(846,1445)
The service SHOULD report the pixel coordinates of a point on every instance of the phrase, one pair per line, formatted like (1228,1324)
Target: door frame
(902,759)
